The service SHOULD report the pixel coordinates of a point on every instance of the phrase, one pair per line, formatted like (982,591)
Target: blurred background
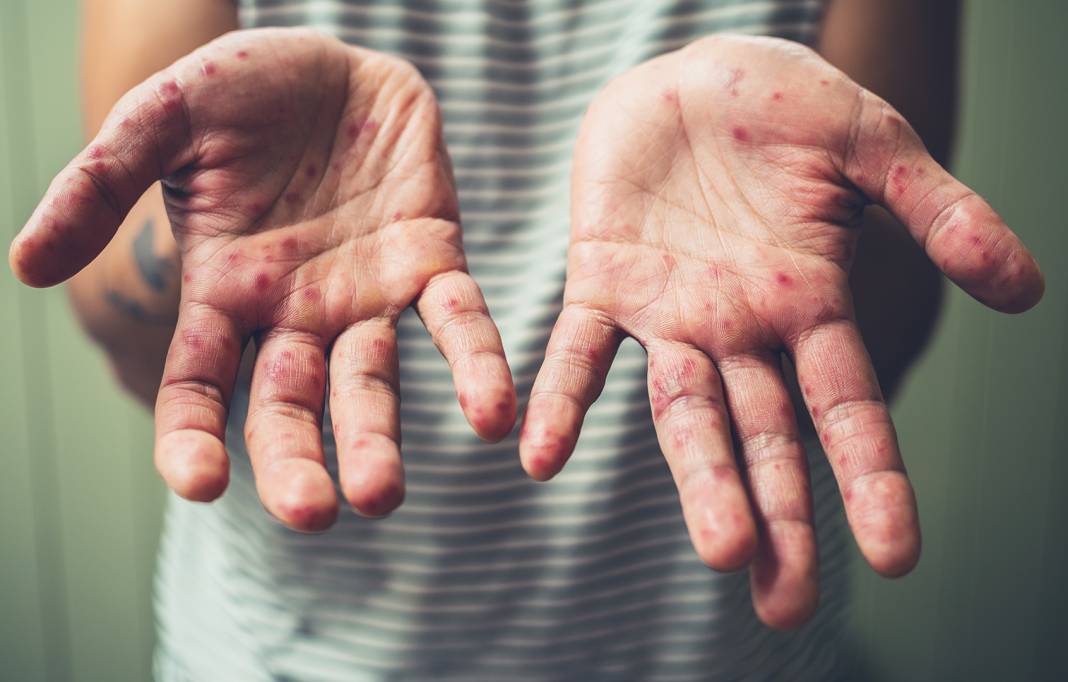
(983,419)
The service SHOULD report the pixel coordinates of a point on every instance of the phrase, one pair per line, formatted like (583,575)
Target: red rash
(96,152)
(380,347)
(242,54)
(210,69)
(784,279)
(824,82)
(739,133)
(897,176)
(397,216)
(311,294)
(262,282)
(171,95)
(777,96)
(311,171)
(289,244)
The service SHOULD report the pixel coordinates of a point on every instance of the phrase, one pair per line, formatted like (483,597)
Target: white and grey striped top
(483,573)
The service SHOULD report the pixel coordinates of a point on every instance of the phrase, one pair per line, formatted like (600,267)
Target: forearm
(127,299)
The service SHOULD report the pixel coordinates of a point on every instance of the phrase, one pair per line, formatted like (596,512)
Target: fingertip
(300,494)
(375,502)
(193,464)
(372,476)
(893,559)
(491,413)
(885,523)
(726,542)
(543,451)
(784,575)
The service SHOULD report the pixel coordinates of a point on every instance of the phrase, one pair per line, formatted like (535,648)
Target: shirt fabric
(483,574)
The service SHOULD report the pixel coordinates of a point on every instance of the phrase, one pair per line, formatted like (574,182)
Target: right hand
(312,201)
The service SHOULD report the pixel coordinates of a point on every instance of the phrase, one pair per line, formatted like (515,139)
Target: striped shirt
(483,574)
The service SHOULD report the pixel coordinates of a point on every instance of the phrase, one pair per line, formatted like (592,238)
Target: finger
(694,433)
(854,426)
(455,314)
(284,433)
(577,358)
(961,233)
(193,400)
(142,140)
(364,408)
(784,575)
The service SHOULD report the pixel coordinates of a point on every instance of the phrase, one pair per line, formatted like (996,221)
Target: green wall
(984,419)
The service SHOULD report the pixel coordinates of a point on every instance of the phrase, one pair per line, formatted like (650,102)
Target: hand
(716,193)
(312,201)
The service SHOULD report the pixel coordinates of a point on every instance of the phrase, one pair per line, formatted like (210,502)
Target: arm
(127,299)
(906,52)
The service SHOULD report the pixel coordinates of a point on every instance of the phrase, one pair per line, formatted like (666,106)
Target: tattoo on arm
(154,270)
(156,273)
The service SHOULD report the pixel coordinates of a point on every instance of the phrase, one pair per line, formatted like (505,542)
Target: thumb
(143,139)
(962,235)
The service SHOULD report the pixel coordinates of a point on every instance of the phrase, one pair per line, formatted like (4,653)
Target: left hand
(716,196)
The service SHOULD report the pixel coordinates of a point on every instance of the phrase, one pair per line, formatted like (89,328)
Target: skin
(121,305)
(311,245)
(725,239)
(128,298)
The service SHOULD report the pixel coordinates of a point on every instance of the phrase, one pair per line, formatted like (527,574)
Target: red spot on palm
(783,279)
(899,178)
(310,294)
(777,96)
(824,82)
(289,245)
(292,197)
(242,54)
(210,69)
(397,215)
(740,134)
(311,171)
(262,282)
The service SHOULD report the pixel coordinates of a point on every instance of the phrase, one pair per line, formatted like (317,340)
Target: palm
(312,202)
(716,196)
